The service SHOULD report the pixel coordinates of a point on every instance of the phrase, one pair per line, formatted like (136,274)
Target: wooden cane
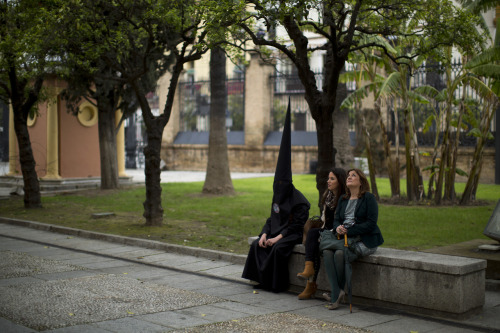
(347,245)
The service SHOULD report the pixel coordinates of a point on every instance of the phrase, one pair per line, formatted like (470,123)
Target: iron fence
(431,74)
(290,86)
(195,105)
(435,75)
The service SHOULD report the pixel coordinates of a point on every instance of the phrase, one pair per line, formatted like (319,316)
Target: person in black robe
(267,261)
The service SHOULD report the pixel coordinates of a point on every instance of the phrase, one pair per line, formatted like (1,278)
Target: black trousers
(312,249)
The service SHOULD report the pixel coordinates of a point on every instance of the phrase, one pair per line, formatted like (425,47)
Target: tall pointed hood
(283,189)
(284,166)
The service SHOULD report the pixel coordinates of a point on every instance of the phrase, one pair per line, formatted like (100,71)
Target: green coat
(366,215)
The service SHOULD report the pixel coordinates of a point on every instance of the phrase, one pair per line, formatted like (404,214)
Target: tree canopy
(346,27)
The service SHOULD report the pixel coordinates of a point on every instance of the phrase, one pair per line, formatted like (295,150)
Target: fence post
(258,101)
(173,126)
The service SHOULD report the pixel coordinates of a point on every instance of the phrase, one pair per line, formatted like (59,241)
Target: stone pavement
(61,282)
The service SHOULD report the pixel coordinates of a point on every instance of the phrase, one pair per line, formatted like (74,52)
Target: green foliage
(461,172)
(428,123)
(28,42)
(278,114)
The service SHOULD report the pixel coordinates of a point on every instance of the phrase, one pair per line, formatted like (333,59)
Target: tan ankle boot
(311,288)
(308,271)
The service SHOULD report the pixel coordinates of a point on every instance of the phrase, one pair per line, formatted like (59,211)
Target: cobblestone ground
(274,323)
(75,299)
(46,294)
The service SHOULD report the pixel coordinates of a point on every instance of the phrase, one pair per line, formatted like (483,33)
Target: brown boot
(308,271)
(311,288)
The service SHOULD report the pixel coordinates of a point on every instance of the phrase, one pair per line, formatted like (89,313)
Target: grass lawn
(225,223)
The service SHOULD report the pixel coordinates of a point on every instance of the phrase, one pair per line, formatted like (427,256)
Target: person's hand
(272,241)
(263,240)
(341,230)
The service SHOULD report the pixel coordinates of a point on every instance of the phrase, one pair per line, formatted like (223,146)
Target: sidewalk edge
(238,259)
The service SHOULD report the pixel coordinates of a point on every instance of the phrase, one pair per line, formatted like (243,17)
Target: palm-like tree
(446,98)
(487,65)
(484,65)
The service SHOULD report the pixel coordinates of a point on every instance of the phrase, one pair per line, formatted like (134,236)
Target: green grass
(225,223)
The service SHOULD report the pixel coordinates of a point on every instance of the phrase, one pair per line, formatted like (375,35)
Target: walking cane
(346,263)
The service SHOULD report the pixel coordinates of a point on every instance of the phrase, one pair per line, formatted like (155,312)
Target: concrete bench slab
(425,283)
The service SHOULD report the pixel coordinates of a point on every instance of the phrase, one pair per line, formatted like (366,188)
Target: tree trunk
(476,179)
(445,149)
(107,140)
(326,152)
(431,188)
(21,105)
(470,186)
(32,198)
(371,167)
(387,152)
(153,210)
(418,181)
(449,192)
(341,140)
(218,177)
(397,163)
(441,174)
(408,151)
(474,174)
(321,102)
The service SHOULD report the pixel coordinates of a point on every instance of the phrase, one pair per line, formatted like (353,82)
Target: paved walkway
(55,282)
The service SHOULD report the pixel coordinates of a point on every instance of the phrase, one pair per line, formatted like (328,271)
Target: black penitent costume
(289,211)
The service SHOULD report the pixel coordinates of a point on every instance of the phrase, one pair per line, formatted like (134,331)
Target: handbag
(313,222)
(328,241)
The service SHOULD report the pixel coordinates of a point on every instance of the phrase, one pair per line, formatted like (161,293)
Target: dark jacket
(366,215)
(329,217)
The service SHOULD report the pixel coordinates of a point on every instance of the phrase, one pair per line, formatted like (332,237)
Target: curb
(237,259)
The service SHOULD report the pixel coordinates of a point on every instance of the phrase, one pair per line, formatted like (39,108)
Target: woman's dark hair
(341,176)
(365,185)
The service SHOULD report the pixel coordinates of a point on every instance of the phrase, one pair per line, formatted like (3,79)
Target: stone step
(54,186)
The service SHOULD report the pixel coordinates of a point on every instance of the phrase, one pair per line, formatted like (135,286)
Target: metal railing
(195,105)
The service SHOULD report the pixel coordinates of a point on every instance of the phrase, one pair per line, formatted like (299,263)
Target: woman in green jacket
(356,215)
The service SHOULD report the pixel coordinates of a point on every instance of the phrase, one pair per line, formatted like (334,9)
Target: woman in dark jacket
(356,216)
(335,189)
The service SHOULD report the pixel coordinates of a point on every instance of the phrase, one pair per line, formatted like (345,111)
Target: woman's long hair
(341,176)
(365,185)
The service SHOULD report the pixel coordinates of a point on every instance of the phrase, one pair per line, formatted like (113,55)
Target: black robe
(269,266)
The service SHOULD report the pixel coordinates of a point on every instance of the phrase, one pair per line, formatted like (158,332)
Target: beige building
(255,148)
(65,147)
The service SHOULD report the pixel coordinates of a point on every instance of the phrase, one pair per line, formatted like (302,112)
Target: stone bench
(424,283)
